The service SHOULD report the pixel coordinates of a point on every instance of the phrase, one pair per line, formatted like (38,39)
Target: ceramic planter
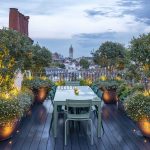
(8,129)
(109,96)
(144,126)
(40,94)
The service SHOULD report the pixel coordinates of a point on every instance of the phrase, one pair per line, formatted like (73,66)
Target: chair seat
(78,116)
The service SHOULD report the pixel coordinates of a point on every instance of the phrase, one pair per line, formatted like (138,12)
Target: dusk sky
(56,24)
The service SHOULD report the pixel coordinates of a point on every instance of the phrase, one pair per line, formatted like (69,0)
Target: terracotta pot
(8,129)
(144,126)
(40,94)
(109,96)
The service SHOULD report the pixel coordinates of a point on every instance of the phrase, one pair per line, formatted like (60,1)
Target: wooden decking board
(119,127)
(24,128)
(30,137)
(46,141)
(40,129)
(138,139)
(88,137)
(82,141)
(112,134)
(124,129)
(34,133)
(128,126)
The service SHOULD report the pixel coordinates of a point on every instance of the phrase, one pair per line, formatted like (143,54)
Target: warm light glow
(146,93)
(30,78)
(42,93)
(118,78)
(144,125)
(106,96)
(7,130)
(5,96)
(103,78)
(43,78)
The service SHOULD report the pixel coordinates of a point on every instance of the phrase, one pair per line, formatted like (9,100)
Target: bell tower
(71,52)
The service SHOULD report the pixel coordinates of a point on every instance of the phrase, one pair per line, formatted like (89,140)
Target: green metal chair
(60,109)
(81,116)
(72,83)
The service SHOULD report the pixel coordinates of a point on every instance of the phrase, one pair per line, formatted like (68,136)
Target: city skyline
(84,24)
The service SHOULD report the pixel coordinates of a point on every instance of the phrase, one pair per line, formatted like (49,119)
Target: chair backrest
(82,104)
(99,94)
(72,83)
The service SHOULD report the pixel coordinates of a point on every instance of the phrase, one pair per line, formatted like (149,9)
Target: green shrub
(137,106)
(124,90)
(108,84)
(14,106)
(36,83)
(84,82)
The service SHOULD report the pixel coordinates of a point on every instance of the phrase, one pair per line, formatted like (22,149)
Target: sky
(86,24)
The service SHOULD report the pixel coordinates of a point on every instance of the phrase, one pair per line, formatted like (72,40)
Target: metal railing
(94,75)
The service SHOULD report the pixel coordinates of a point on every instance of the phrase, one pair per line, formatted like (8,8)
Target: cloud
(85,24)
(141,11)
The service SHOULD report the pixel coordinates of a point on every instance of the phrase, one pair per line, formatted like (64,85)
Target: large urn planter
(39,86)
(144,126)
(109,96)
(40,94)
(8,129)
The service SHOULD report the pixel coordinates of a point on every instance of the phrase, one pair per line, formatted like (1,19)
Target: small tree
(140,51)
(84,63)
(17,44)
(40,58)
(110,55)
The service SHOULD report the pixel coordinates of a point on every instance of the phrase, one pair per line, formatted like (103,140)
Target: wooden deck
(33,133)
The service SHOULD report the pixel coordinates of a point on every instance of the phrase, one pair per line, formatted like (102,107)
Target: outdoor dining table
(67,92)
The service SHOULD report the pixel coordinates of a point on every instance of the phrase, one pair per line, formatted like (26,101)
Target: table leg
(55,119)
(99,121)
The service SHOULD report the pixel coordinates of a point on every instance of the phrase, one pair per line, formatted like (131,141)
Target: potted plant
(137,106)
(124,90)
(39,86)
(13,105)
(86,82)
(109,88)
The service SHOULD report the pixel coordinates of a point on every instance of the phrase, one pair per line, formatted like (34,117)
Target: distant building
(57,58)
(71,52)
(18,22)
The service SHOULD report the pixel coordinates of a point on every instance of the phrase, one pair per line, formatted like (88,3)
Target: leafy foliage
(7,69)
(137,106)
(133,72)
(84,63)
(125,90)
(84,82)
(60,83)
(14,107)
(108,84)
(41,58)
(19,45)
(140,49)
(36,83)
(110,54)
(140,52)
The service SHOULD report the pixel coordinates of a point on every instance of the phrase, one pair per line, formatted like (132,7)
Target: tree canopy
(110,55)
(84,63)
(25,55)
(40,58)
(140,51)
